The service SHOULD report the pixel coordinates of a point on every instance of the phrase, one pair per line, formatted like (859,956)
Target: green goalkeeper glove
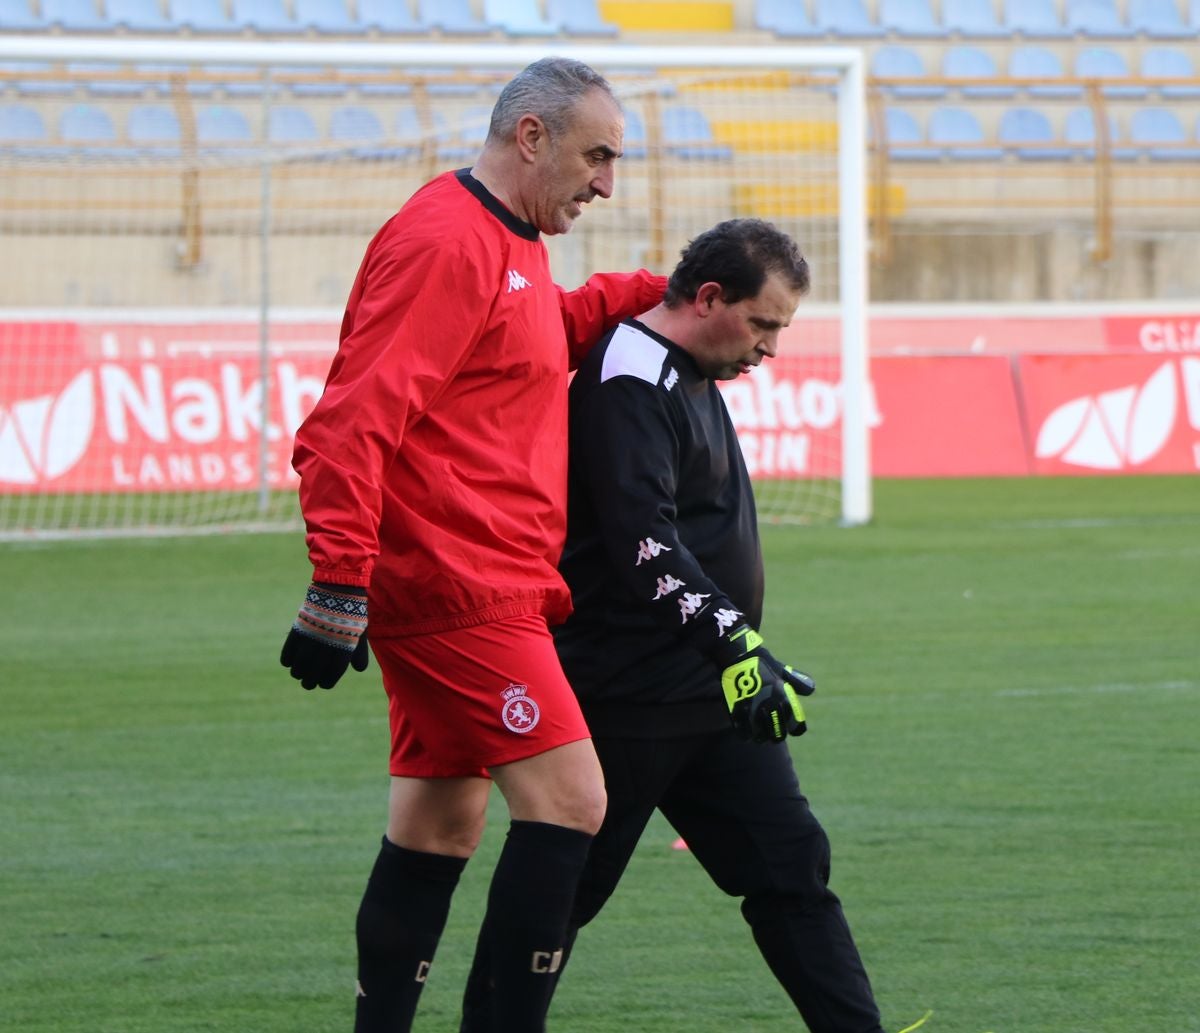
(762,694)
(328,635)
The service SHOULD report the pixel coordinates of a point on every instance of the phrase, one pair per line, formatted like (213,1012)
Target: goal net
(181,220)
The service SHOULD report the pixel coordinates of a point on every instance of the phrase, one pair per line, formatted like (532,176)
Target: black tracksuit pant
(740,809)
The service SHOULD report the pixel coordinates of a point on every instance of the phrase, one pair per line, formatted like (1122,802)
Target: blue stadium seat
(44,81)
(910,18)
(973,63)
(268,17)
(233,80)
(1079,129)
(309,81)
(847,18)
(154,129)
(88,127)
(411,131)
(18,16)
(289,124)
(1042,64)
(328,17)
(389,16)
(687,134)
(958,133)
(75,16)
(464,143)
(357,124)
(905,141)
(785,18)
(1158,19)
(894,62)
(203,16)
(139,16)
(219,124)
(107,81)
(518,18)
(634,143)
(360,78)
(1194,18)
(1034,19)
(1169,63)
(1161,135)
(1028,133)
(1097,19)
(975,19)
(20,122)
(1105,63)
(579,18)
(452,17)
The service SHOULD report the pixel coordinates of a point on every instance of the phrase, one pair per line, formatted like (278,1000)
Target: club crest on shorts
(518,712)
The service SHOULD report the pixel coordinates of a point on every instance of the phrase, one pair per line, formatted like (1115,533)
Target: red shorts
(466,700)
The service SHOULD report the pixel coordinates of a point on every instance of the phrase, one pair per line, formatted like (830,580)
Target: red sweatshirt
(434,467)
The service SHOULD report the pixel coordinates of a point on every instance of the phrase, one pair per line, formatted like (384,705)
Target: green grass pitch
(1003,748)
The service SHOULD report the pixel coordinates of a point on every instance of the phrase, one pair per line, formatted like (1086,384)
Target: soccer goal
(181,220)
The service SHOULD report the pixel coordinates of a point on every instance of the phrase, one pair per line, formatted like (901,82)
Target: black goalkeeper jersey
(662,553)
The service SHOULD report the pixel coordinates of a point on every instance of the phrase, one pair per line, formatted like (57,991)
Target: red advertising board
(158,405)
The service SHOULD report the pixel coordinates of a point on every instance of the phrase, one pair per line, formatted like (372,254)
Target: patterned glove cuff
(336,618)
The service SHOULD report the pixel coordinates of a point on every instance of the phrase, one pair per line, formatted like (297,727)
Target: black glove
(762,694)
(328,635)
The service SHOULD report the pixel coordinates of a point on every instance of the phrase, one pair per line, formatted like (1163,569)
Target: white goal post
(181,219)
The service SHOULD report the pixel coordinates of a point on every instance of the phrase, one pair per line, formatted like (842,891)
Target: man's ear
(531,135)
(708,295)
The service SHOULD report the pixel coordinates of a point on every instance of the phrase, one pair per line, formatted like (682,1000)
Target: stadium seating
(1105,63)
(108,81)
(634,143)
(289,124)
(1097,19)
(452,16)
(1169,63)
(848,18)
(1158,19)
(206,16)
(1028,133)
(1160,135)
(328,17)
(959,135)
(687,134)
(355,123)
(139,16)
(388,16)
(973,63)
(518,18)
(219,124)
(1195,15)
(36,86)
(18,16)
(268,17)
(1079,129)
(785,18)
(974,19)
(412,131)
(154,129)
(1041,64)
(896,62)
(579,18)
(905,142)
(20,122)
(87,125)
(75,16)
(910,18)
(1036,19)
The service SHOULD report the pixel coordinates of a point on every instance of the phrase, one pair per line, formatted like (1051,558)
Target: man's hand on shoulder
(328,635)
(762,694)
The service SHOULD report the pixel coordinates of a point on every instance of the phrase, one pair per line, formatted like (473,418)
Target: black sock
(400,921)
(525,928)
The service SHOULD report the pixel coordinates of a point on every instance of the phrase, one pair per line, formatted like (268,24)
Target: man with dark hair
(433,486)
(688,710)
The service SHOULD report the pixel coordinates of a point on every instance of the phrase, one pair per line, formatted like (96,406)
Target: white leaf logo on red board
(1108,431)
(42,438)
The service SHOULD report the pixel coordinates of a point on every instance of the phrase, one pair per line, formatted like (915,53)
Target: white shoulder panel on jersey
(632,354)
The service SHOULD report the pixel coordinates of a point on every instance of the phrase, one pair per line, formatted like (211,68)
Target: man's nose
(602,182)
